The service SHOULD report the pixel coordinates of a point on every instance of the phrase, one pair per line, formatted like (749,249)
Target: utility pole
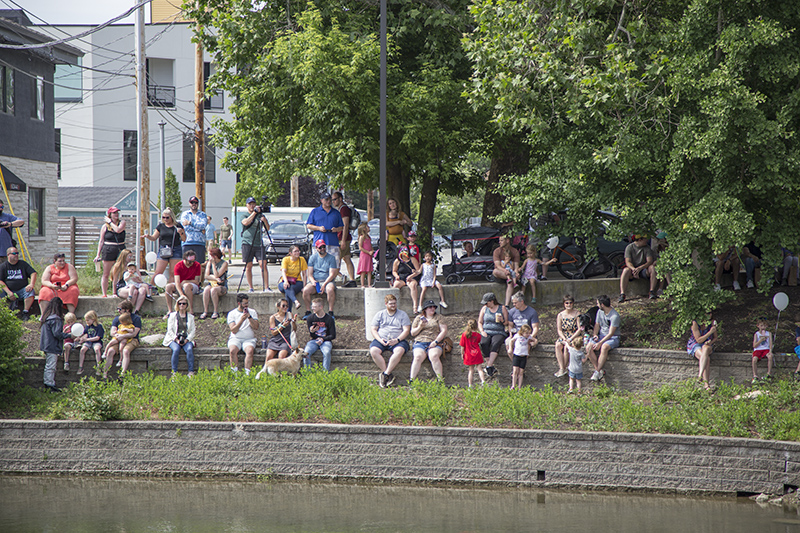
(199,141)
(163,169)
(143,144)
(294,191)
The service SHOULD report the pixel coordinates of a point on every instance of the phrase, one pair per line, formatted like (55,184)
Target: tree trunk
(427,204)
(398,186)
(511,156)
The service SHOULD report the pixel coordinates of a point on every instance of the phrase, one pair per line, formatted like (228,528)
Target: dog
(291,364)
(587,319)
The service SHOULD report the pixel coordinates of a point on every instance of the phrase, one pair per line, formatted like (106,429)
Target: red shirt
(344,211)
(470,348)
(187,273)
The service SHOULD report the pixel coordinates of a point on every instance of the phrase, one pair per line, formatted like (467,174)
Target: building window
(216,101)
(37,109)
(7,90)
(35,212)
(160,84)
(68,83)
(188,160)
(58,152)
(130,155)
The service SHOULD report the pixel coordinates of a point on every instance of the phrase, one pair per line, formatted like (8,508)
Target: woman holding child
(428,331)
(701,344)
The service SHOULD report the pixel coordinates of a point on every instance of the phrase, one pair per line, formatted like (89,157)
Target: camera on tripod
(265,207)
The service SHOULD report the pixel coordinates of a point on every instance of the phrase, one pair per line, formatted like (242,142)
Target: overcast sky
(74,11)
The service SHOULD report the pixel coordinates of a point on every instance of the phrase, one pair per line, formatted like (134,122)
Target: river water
(57,504)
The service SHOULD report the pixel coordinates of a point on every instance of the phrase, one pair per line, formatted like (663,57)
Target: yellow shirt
(293,268)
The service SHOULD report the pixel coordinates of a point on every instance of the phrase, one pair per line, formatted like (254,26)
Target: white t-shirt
(521,346)
(245,332)
(575,360)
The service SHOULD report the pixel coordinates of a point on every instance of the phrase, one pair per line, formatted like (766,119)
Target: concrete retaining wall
(401,454)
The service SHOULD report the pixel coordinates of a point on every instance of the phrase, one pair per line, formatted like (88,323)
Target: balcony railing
(160,96)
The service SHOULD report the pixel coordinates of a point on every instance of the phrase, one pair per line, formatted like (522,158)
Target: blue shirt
(210,229)
(194,224)
(331,219)
(5,235)
(322,266)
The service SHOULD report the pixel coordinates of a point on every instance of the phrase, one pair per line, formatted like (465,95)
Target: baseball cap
(112,209)
(488,297)
(250,200)
(319,243)
(412,233)
(324,195)
(194,200)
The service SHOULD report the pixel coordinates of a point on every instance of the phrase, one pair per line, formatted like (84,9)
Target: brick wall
(544,459)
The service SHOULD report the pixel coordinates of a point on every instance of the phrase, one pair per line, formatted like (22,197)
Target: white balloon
(151,257)
(77,330)
(780,301)
(552,242)
(161,280)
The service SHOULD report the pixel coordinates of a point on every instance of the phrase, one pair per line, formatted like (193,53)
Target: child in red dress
(471,351)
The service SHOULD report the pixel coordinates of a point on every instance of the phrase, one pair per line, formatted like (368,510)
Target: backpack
(355,218)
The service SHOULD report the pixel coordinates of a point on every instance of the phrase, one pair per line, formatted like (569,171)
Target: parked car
(283,234)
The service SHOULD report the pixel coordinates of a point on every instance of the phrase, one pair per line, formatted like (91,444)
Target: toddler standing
(471,351)
(521,344)
(428,279)
(365,255)
(576,359)
(762,347)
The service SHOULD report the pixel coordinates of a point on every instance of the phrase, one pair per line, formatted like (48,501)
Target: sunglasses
(321,247)
(165,217)
(284,306)
(119,309)
(182,303)
(13,253)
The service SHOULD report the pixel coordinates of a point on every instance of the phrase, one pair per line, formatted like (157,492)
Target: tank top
(490,324)
(110,237)
(692,342)
(569,325)
(404,269)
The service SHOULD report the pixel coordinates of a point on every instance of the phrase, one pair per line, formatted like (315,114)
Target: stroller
(479,265)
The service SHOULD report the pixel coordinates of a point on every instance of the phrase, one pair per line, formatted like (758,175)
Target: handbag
(165,252)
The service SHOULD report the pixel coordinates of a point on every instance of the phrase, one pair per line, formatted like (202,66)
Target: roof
(100,198)
(13,33)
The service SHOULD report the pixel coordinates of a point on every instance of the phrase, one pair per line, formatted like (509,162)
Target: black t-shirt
(16,276)
(326,325)
(95,330)
(755,250)
(168,236)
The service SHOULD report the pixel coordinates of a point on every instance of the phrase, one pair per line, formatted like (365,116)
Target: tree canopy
(680,115)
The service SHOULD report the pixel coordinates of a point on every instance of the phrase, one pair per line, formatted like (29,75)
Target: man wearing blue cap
(326,222)
(194,223)
(252,247)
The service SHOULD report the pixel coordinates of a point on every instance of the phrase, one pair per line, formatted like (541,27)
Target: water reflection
(44,504)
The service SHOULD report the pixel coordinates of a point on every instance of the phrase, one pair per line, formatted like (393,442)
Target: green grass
(341,397)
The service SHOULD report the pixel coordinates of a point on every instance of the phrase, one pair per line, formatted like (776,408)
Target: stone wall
(546,459)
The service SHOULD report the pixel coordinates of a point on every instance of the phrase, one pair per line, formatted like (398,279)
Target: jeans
(750,266)
(291,290)
(50,369)
(176,349)
(326,348)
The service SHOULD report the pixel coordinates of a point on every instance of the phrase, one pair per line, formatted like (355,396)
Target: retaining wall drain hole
(540,475)
(789,489)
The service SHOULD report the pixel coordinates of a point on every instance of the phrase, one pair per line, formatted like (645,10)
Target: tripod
(248,259)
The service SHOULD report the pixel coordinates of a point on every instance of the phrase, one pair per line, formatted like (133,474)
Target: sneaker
(717,287)
(26,315)
(251,289)
(390,380)
(148,298)
(660,292)
(533,299)
(738,287)
(750,285)
(443,304)
(621,298)
(542,278)
(246,371)
(561,373)
(382,380)
(305,316)
(491,372)
(755,381)
(52,388)
(653,295)
(66,367)
(350,284)
(80,370)
(119,363)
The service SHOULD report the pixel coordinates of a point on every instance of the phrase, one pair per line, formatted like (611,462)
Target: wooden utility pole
(294,191)
(143,144)
(199,141)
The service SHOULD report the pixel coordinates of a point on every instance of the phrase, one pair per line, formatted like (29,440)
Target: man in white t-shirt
(390,329)
(243,323)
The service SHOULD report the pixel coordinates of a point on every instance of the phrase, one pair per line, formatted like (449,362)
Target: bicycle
(571,261)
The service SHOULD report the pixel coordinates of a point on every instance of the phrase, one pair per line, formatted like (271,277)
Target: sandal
(204,316)
(214,316)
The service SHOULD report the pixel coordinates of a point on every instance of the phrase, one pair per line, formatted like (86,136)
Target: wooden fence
(79,235)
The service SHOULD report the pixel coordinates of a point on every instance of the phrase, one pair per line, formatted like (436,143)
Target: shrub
(12,361)
(95,400)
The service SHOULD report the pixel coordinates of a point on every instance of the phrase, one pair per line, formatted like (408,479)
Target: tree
(173,192)
(681,116)
(304,78)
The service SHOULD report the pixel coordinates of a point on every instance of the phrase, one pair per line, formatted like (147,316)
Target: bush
(95,400)
(12,361)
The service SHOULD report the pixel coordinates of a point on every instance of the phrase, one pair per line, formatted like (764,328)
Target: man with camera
(194,223)
(243,323)
(7,224)
(254,226)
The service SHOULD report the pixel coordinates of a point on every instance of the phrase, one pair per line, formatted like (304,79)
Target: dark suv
(285,233)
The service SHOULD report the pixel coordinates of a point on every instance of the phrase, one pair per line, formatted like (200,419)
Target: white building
(96,118)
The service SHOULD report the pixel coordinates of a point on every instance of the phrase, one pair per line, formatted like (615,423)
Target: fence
(77,235)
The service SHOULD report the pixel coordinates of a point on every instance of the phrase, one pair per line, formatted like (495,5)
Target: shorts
(385,348)
(195,289)
(198,249)
(131,344)
(22,293)
(761,354)
(612,343)
(234,341)
(695,348)
(91,345)
(177,253)
(225,243)
(278,344)
(421,345)
(575,375)
(520,361)
(336,252)
(110,252)
(250,252)
(797,350)
(344,251)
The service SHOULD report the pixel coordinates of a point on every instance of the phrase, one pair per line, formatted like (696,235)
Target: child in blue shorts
(797,349)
